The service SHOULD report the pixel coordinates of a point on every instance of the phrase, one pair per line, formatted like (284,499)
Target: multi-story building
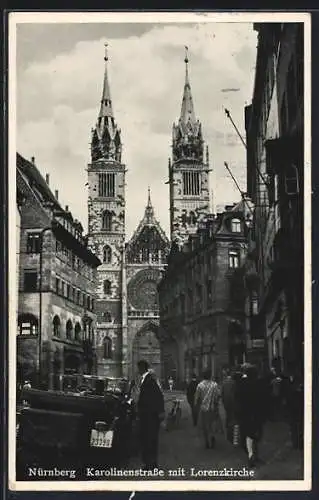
(188,171)
(274,128)
(56,318)
(202,303)
(127,306)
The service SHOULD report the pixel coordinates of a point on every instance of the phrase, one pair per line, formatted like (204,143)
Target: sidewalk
(279,460)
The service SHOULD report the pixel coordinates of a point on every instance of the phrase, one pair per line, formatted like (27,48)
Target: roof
(30,170)
(148,220)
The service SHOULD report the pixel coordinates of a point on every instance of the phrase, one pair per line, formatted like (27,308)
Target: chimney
(66,208)
(47,179)
(56,194)
(32,159)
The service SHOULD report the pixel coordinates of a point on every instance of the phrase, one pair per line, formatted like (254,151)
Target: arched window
(27,324)
(184,219)
(192,218)
(69,329)
(56,326)
(107,287)
(236,225)
(107,348)
(107,318)
(107,221)
(77,332)
(107,254)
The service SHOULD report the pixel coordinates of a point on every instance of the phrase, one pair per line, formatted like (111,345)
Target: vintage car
(88,424)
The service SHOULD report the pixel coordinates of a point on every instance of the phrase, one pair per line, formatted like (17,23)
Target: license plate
(101,439)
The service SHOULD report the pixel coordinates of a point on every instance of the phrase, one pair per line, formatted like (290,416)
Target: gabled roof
(148,220)
(34,177)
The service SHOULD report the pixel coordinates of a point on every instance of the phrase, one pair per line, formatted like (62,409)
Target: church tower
(106,232)
(188,170)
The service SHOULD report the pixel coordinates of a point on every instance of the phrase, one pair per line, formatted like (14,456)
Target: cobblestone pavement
(183,447)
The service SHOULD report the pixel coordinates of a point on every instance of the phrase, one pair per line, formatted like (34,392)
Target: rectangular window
(233,259)
(107,185)
(28,328)
(191,183)
(254,306)
(30,281)
(33,243)
(68,291)
(78,297)
(57,285)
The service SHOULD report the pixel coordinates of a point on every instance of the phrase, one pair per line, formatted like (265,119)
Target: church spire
(187,110)
(106,136)
(187,132)
(106,103)
(149,210)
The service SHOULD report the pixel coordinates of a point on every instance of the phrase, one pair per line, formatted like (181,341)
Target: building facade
(127,306)
(274,128)
(202,306)
(188,171)
(56,305)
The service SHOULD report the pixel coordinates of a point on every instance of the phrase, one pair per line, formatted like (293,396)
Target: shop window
(27,325)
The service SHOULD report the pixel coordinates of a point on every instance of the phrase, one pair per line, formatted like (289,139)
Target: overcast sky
(59,83)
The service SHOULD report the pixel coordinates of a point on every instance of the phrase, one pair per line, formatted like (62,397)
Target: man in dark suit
(151,411)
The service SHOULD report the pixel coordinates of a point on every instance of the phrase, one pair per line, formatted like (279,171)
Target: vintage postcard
(159,261)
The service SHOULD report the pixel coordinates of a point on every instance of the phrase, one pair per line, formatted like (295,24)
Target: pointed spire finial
(106,56)
(149,203)
(186,54)
(187,111)
(106,103)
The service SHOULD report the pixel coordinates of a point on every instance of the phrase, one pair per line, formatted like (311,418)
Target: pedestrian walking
(150,407)
(228,399)
(190,394)
(206,401)
(251,412)
(170,384)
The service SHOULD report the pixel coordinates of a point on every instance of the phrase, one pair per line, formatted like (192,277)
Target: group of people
(247,401)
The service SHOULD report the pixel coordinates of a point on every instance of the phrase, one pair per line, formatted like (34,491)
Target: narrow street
(183,448)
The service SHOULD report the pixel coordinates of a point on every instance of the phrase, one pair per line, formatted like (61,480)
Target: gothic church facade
(127,296)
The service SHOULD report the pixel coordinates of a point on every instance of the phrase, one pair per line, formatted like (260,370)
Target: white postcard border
(160,17)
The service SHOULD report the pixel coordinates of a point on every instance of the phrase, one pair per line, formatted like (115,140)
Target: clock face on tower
(142,289)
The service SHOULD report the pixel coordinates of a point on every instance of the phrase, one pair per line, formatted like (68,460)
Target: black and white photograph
(159,264)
